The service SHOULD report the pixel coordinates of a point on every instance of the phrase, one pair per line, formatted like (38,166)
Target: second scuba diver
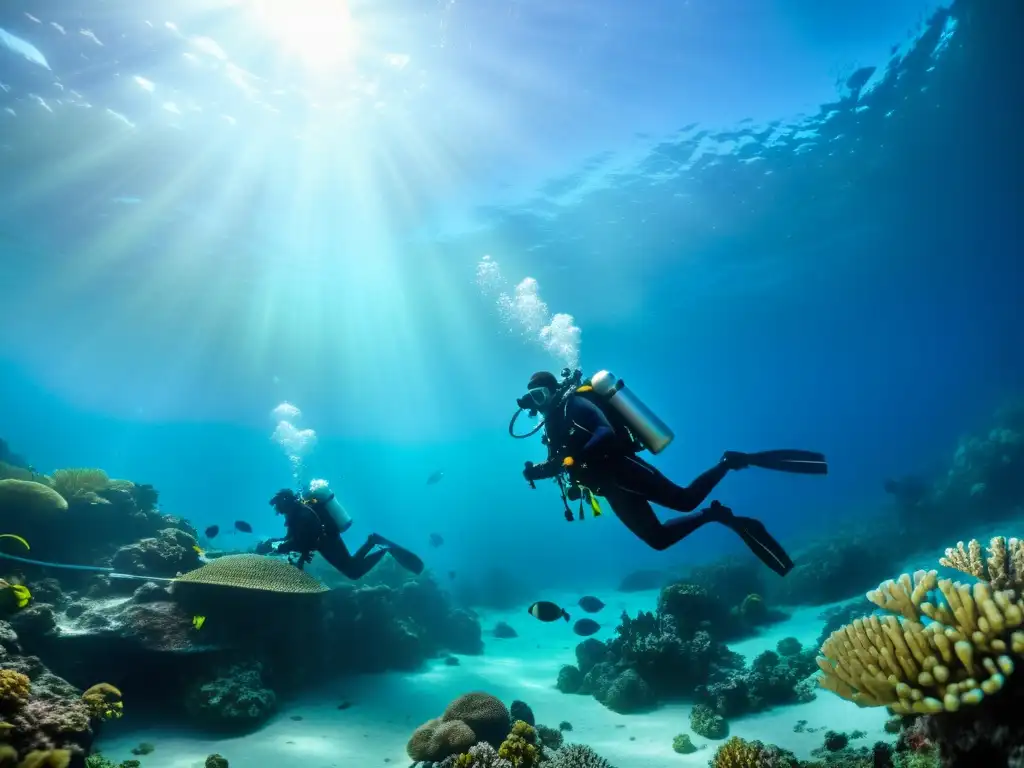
(316,522)
(594,431)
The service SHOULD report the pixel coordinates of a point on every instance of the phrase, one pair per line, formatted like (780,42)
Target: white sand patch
(386,708)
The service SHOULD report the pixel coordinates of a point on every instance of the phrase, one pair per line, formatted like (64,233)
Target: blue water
(197,224)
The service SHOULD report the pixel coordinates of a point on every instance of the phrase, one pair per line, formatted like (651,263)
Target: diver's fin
(790,460)
(403,556)
(761,543)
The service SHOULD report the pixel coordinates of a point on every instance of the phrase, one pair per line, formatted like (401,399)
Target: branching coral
(962,655)
(577,756)
(104,702)
(520,746)
(1003,569)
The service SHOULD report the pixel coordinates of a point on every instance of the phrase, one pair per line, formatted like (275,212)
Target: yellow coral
(51,758)
(14,688)
(736,753)
(463,761)
(519,748)
(103,702)
(1003,569)
(83,484)
(956,660)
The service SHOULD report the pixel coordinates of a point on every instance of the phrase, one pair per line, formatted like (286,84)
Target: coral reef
(956,670)
(471,718)
(677,652)
(231,698)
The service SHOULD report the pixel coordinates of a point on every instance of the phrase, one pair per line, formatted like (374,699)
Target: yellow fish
(198,621)
(198,549)
(594,505)
(16,537)
(21,594)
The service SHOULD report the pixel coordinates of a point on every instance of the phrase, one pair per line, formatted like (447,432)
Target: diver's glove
(265,547)
(735,460)
(542,471)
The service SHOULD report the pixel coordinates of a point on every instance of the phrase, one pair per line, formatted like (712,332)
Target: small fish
(16,537)
(345,705)
(590,604)
(212,531)
(198,549)
(451,575)
(545,611)
(586,627)
(243,526)
(14,595)
(198,621)
(436,540)
(435,477)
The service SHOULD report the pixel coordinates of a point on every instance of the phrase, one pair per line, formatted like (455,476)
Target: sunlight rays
(277,239)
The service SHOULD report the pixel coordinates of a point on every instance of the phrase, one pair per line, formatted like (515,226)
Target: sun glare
(318,32)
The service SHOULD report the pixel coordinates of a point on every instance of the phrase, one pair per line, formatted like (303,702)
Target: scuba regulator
(571,379)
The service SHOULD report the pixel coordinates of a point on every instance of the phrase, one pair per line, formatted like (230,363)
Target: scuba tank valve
(321,494)
(651,430)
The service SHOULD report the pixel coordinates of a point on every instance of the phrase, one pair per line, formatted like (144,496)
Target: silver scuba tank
(642,421)
(324,497)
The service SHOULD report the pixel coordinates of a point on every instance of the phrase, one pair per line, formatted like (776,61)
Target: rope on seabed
(94,568)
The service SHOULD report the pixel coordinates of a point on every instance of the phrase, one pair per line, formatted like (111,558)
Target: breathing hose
(93,568)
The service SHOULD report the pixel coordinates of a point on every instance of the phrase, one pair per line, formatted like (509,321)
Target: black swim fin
(761,543)
(790,460)
(408,560)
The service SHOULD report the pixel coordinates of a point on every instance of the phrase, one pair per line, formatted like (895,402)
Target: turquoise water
(244,245)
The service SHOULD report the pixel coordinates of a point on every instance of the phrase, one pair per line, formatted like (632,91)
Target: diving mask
(537,399)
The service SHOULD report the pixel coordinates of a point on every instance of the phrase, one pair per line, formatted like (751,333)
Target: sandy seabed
(314,733)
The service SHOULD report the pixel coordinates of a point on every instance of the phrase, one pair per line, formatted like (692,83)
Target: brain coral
(485,714)
(450,739)
(29,496)
(254,572)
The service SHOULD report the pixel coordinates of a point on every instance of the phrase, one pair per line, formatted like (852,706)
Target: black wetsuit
(605,462)
(310,532)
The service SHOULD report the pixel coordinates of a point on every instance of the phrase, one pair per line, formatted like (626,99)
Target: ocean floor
(315,733)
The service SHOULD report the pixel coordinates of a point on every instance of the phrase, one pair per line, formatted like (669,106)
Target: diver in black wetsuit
(312,529)
(598,453)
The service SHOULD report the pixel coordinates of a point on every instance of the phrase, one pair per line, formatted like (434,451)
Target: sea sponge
(519,747)
(254,572)
(1004,568)
(29,497)
(962,655)
(15,689)
(485,714)
(81,484)
(103,702)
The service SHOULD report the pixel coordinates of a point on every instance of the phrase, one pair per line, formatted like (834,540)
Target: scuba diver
(593,431)
(315,523)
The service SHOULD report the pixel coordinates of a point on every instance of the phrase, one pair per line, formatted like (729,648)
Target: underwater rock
(551,738)
(34,624)
(232,698)
(683,745)
(707,723)
(215,761)
(570,679)
(168,553)
(788,646)
(621,690)
(520,710)
(590,652)
(503,631)
(772,680)
(49,714)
